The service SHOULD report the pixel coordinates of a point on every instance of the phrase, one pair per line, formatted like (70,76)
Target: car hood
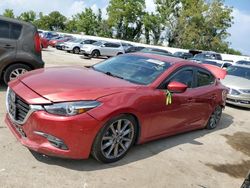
(72,84)
(236,82)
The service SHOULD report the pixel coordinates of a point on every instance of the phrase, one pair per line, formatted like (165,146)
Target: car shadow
(138,152)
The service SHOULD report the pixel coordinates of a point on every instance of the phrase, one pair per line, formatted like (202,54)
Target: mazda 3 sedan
(104,110)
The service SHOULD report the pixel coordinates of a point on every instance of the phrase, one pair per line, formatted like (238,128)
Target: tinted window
(185,77)
(4,29)
(15,31)
(204,79)
(112,45)
(243,72)
(136,69)
(243,62)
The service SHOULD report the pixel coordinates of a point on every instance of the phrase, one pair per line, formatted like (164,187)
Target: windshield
(136,69)
(243,72)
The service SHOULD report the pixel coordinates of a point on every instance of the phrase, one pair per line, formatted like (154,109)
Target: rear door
(202,98)
(110,49)
(9,34)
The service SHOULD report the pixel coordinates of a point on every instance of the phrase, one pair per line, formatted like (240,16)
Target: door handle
(8,46)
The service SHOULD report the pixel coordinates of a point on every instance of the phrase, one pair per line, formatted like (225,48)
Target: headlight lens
(234,92)
(71,108)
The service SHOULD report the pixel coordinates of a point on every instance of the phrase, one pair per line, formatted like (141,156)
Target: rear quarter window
(204,78)
(15,31)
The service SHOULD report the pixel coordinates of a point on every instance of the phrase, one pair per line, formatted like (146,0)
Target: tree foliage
(125,16)
(190,24)
(29,16)
(9,13)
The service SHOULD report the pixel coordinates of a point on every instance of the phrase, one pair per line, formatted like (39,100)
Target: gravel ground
(206,159)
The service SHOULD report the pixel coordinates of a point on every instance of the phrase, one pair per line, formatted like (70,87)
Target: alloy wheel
(17,72)
(215,118)
(117,138)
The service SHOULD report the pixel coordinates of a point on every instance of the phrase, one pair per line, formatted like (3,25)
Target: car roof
(12,20)
(241,65)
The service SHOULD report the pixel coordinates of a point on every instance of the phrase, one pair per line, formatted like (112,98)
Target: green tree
(71,25)
(9,13)
(29,16)
(103,27)
(56,21)
(197,24)
(86,22)
(125,16)
(153,27)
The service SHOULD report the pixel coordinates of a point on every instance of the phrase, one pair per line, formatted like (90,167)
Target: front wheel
(115,139)
(214,118)
(14,71)
(76,50)
(95,53)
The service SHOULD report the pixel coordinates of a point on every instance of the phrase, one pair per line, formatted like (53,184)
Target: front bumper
(238,100)
(76,132)
(68,48)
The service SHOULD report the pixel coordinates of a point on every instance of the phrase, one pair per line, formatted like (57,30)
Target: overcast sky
(240,30)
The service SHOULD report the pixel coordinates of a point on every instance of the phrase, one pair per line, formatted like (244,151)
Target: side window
(185,77)
(4,30)
(15,31)
(204,79)
(86,42)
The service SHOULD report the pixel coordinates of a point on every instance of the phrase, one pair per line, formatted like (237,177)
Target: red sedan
(104,110)
(53,42)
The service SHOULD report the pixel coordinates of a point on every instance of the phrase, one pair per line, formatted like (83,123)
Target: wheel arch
(14,63)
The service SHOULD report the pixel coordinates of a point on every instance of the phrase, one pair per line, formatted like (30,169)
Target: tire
(95,53)
(214,118)
(14,71)
(109,145)
(76,50)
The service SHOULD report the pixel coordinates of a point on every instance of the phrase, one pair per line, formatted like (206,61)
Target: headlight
(71,108)
(234,92)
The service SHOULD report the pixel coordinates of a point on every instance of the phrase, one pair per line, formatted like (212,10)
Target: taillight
(37,43)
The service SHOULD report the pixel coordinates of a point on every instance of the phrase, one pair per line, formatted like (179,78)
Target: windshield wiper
(113,75)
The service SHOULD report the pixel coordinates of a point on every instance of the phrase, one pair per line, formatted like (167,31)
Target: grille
(18,109)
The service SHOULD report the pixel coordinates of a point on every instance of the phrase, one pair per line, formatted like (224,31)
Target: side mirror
(177,87)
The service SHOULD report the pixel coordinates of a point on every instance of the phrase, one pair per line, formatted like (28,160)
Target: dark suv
(20,48)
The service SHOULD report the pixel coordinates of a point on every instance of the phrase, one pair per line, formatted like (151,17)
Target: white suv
(74,46)
(102,48)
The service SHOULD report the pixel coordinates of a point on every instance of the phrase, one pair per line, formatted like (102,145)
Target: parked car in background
(106,109)
(238,82)
(75,46)
(44,42)
(183,55)
(49,35)
(134,49)
(53,42)
(207,55)
(102,48)
(148,50)
(156,51)
(20,48)
(243,62)
(61,45)
(222,64)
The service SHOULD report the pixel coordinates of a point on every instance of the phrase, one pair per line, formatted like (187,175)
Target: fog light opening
(54,141)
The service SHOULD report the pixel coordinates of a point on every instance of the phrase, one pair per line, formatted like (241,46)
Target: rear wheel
(76,50)
(214,118)
(115,139)
(14,71)
(95,53)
